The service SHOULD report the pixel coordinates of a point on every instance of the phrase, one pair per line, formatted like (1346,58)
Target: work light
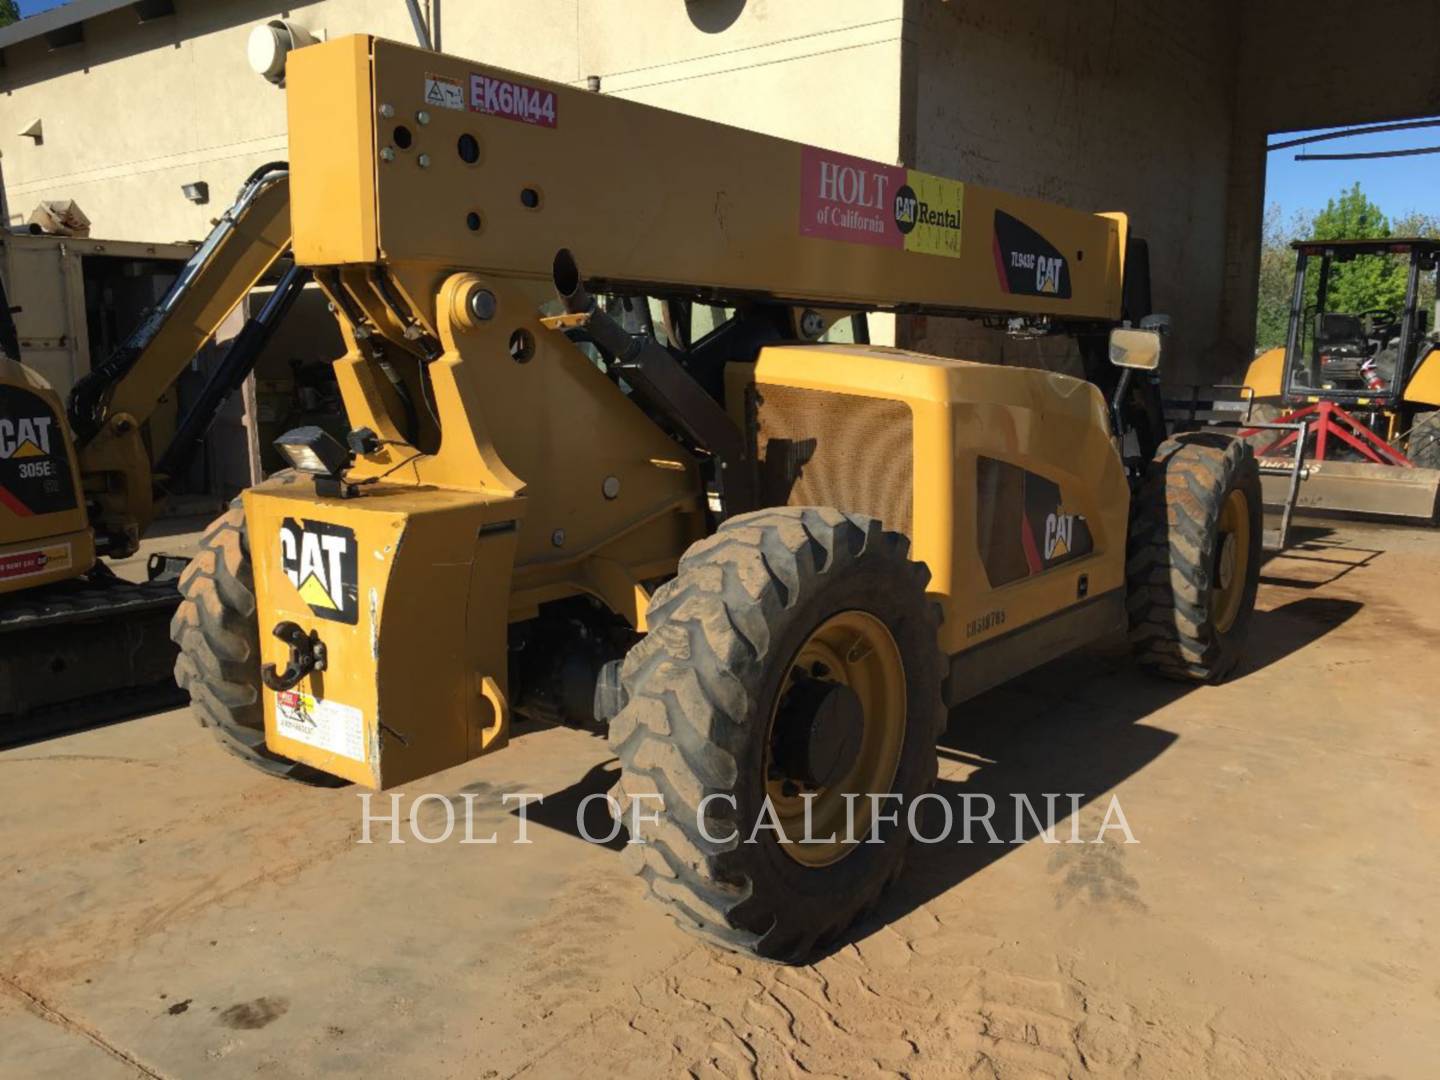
(313,450)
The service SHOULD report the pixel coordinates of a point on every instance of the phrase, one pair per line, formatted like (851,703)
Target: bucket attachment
(1358,487)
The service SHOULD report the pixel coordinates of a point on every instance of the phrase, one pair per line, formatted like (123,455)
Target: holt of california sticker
(863,202)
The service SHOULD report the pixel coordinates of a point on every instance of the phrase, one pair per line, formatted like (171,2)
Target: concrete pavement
(165,912)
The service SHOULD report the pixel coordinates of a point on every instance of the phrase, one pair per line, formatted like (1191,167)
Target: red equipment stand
(1325,419)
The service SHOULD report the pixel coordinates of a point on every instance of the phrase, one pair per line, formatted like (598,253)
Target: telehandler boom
(621,456)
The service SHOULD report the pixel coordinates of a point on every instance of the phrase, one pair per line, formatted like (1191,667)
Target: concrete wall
(1124,106)
(135,111)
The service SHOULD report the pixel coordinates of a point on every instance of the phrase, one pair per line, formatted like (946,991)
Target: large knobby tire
(732,642)
(1423,446)
(217,631)
(1194,554)
(1266,412)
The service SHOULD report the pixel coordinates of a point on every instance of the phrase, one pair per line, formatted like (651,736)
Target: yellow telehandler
(621,456)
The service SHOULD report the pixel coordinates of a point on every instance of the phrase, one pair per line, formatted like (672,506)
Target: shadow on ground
(1075,726)
(1313,559)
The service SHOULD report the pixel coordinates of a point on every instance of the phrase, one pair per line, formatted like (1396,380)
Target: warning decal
(325,725)
(863,202)
(444,93)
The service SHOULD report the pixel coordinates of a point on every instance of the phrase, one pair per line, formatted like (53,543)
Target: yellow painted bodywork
(1045,422)
(1424,386)
(519,473)
(433,583)
(62,539)
(1266,374)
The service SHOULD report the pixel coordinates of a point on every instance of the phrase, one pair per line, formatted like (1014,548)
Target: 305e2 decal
(34,469)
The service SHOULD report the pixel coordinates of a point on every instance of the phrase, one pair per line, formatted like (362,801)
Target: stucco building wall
(1159,108)
(137,110)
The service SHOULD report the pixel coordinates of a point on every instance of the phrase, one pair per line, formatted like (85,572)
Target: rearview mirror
(1139,349)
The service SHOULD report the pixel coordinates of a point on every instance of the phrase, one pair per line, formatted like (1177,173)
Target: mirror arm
(1117,399)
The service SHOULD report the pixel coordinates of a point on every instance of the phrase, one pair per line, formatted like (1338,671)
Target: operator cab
(1340,351)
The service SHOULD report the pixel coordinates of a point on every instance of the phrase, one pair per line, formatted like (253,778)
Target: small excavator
(79,483)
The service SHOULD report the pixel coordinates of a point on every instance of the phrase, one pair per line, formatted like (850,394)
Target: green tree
(1363,284)
(1366,282)
(1416,223)
(9,12)
(1277,275)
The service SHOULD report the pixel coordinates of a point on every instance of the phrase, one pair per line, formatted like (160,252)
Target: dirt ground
(165,912)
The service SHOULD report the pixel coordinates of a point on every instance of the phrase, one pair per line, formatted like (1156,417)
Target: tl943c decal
(1028,264)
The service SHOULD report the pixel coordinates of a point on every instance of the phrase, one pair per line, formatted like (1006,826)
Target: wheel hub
(1227,560)
(820,726)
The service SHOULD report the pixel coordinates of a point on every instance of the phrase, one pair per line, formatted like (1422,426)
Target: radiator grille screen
(825,449)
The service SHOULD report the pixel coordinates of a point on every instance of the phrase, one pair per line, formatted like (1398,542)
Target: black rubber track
(700,689)
(217,631)
(1172,553)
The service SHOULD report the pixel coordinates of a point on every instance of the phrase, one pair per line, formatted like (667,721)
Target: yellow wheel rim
(856,650)
(1232,560)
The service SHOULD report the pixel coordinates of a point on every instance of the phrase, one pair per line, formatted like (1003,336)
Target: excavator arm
(78,482)
(109,407)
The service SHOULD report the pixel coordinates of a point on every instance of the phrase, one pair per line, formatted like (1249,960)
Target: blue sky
(1396,185)
(32,7)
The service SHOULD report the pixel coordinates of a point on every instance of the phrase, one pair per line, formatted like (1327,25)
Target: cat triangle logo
(1059,534)
(27,449)
(314,594)
(319,558)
